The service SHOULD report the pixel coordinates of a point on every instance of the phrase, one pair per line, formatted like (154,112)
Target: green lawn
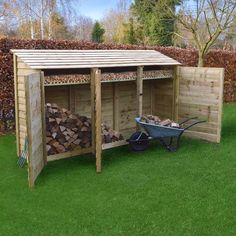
(191,192)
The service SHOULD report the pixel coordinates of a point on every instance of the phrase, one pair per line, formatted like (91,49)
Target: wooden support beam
(139,84)
(43,117)
(175,106)
(92,91)
(96,116)
(16,107)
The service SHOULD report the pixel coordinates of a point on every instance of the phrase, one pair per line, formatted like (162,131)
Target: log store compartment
(112,86)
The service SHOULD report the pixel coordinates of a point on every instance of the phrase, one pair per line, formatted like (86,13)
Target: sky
(95,8)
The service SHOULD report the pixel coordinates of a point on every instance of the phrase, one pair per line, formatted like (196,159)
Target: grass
(191,192)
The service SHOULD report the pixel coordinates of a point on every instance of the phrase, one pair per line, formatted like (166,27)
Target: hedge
(188,57)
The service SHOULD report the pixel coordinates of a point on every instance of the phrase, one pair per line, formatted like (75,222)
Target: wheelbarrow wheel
(138,141)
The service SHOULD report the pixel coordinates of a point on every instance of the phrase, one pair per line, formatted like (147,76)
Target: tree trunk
(201,59)
(41,21)
(50,25)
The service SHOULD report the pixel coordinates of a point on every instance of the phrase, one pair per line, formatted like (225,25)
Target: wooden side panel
(200,94)
(35,134)
(20,102)
(162,98)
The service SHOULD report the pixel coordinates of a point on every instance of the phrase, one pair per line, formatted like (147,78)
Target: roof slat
(43,59)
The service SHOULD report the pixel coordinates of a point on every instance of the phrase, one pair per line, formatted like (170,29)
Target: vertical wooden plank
(34,124)
(43,117)
(116,107)
(175,94)
(97,117)
(29,135)
(16,106)
(139,84)
(92,91)
(151,87)
(220,111)
(72,98)
(139,90)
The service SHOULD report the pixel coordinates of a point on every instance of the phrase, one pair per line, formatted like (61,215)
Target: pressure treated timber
(16,106)
(20,104)
(34,119)
(97,111)
(69,154)
(41,59)
(163,98)
(43,116)
(116,99)
(176,88)
(116,107)
(92,106)
(200,95)
(139,90)
(114,144)
(73,79)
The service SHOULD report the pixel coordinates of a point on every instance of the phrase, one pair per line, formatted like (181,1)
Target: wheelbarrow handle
(192,118)
(197,122)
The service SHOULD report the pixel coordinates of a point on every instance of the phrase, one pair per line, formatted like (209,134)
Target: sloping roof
(62,59)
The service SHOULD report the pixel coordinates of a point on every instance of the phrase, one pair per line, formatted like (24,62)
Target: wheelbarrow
(169,137)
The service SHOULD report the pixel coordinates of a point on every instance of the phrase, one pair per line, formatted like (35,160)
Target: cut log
(67,131)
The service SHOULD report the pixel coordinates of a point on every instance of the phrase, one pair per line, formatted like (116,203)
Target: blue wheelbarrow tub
(159,131)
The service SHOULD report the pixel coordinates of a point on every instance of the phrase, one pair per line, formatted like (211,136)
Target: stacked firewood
(66,131)
(151,119)
(109,135)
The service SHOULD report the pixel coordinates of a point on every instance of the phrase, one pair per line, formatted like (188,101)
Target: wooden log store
(63,98)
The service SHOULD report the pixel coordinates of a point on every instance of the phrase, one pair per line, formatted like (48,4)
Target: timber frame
(156,85)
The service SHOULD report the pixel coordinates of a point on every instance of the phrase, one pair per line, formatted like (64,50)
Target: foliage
(158,24)
(97,33)
(114,22)
(188,57)
(206,20)
(190,192)
(130,33)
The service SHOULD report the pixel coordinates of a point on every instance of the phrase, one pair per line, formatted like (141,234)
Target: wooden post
(92,90)
(43,117)
(151,85)
(96,116)
(221,100)
(16,106)
(139,83)
(175,108)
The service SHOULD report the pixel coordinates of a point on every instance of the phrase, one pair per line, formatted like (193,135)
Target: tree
(97,33)
(114,22)
(158,23)
(130,33)
(36,18)
(82,29)
(206,20)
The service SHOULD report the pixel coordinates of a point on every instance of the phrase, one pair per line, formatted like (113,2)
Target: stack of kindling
(151,119)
